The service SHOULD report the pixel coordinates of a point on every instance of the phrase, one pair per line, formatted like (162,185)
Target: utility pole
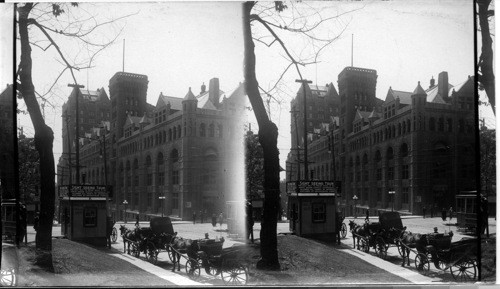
(105,170)
(304,83)
(69,145)
(76,88)
(297,140)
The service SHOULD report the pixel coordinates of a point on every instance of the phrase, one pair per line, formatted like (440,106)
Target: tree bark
(487,76)
(268,138)
(44,138)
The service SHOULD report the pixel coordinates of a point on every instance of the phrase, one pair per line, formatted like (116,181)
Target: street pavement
(187,229)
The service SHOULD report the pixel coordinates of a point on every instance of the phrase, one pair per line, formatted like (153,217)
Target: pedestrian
(250,221)
(220,219)
(367,218)
(423,210)
(338,226)
(214,220)
(450,212)
(109,230)
(202,215)
(194,217)
(36,221)
(443,214)
(432,211)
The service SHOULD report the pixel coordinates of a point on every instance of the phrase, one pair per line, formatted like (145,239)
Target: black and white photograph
(253,144)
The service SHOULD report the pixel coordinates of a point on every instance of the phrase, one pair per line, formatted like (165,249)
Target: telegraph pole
(304,83)
(297,140)
(69,145)
(76,88)
(105,170)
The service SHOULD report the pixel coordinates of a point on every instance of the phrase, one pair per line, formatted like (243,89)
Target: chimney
(213,91)
(203,88)
(443,84)
(433,82)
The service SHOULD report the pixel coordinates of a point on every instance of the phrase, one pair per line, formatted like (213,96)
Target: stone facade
(417,144)
(181,149)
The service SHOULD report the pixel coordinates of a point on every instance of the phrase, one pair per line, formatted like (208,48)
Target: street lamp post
(162,198)
(392,193)
(355,198)
(125,203)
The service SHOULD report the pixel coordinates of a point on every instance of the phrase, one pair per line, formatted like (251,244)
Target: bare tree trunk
(268,138)
(486,75)
(44,138)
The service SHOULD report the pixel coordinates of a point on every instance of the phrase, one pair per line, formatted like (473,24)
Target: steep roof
(418,90)
(434,96)
(189,95)
(175,102)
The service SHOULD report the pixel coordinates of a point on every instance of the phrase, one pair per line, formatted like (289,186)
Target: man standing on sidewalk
(194,217)
(423,211)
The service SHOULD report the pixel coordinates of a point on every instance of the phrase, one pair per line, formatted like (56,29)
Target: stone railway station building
(419,144)
(184,150)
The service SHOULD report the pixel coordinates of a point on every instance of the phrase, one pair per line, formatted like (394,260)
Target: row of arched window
(389,155)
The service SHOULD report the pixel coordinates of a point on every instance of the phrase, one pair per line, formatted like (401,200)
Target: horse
(136,235)
(360,231)
(410,240)
(180,245)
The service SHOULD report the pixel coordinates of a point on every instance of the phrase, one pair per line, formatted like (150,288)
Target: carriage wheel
(193,268)
(114,235)
(464,270)
(381,248)
(9,277)
(152,253)
(422,263)
(136,252)
(234,273)
(343,231)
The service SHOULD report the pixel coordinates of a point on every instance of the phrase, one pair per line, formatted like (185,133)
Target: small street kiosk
(312,207)
(83,213)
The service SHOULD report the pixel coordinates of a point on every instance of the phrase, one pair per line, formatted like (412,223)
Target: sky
(184,44)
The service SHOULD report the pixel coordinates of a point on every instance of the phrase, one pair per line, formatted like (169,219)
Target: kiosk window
(318,212)
(90,217)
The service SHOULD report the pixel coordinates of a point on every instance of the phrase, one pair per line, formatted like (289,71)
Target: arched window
(202,130)
(169,134)
(175,132)
(390,153)
(221,131)
(179,131)
(160,169)
(174,156)
(211,130)
(378,156)
(441,124)
(432,124)
(403,151)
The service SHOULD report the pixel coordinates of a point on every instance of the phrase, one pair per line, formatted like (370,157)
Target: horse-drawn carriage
(149,240)
(458,257)
(217,261)
(199,253)
(378,235)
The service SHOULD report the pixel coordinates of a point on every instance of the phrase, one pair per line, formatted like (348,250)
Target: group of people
(215,218)
(445,213)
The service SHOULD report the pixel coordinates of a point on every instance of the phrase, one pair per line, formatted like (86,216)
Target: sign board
(311,188)
(188,204)
(82,192)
